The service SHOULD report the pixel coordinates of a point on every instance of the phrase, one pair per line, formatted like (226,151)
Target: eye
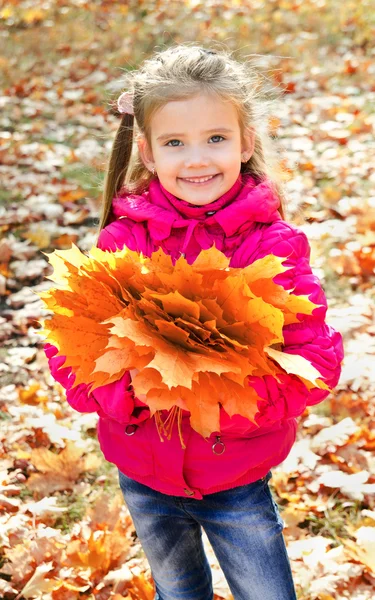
(170,141)
(217,136)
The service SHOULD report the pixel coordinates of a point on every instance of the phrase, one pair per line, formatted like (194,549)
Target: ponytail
(117,166)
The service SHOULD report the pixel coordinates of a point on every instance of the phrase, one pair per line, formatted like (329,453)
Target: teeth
(199,180)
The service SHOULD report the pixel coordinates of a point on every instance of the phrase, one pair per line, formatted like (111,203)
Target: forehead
(198,113)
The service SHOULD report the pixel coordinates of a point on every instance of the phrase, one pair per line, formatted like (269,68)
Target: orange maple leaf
(59,471)
(194,334)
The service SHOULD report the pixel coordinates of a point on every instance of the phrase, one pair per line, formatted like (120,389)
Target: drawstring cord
(188,235)
(165,428)
(198,230)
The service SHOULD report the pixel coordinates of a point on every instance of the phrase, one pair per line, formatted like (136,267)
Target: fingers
(142,398)
(133,372)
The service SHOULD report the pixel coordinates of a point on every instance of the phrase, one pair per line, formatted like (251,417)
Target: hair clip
(125,103)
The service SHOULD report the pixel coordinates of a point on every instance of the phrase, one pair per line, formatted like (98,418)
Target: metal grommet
(131,429)
(218,443)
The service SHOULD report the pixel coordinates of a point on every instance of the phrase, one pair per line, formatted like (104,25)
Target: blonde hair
(178,73)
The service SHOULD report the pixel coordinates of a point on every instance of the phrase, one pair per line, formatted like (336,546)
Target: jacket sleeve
(125,232)
(115,400)
(311,338)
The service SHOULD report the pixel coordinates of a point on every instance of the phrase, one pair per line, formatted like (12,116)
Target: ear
(145,153)
(248,142)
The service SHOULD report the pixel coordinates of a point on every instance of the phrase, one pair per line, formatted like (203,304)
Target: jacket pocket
(127,446)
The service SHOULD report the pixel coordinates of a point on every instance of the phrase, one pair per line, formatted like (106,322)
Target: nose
(197,158)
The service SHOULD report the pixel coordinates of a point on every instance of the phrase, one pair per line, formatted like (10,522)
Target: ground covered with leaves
(61,67)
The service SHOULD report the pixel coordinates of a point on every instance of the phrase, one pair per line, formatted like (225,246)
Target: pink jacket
(245,225)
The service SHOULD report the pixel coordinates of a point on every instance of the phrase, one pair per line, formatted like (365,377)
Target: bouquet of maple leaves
(191,334)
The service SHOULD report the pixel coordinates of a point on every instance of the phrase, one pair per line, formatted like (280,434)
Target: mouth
(199,181)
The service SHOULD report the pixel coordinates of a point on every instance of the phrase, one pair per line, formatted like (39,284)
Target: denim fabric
(243,525)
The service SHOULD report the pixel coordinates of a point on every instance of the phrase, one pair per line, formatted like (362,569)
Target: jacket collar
(246,201)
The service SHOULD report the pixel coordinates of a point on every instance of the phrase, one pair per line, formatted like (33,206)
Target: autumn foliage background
(61,65)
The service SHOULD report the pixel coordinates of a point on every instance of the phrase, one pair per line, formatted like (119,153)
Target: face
(196,148)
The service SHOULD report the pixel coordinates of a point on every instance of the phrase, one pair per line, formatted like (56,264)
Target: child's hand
(133,373)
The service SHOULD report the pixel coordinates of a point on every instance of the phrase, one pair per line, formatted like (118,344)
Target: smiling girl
(197,175)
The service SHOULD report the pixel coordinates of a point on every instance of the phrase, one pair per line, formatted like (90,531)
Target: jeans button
(131,429)
(189,492)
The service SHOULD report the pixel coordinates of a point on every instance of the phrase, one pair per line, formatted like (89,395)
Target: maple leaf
(194,334)
(62,469)
(104,550)
(37,583)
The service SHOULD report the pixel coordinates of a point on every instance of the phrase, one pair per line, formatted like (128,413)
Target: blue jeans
(244,528)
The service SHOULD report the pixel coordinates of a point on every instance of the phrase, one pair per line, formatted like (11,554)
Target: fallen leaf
(59,471)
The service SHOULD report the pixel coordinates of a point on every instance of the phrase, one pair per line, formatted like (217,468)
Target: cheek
(231,161)
(232,153)
(166,160)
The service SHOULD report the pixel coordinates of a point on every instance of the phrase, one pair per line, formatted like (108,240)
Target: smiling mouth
(199,180)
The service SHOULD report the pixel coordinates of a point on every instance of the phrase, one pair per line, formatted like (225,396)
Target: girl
(200,176)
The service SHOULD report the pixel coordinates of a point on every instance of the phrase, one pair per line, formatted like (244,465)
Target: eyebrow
(171,135)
